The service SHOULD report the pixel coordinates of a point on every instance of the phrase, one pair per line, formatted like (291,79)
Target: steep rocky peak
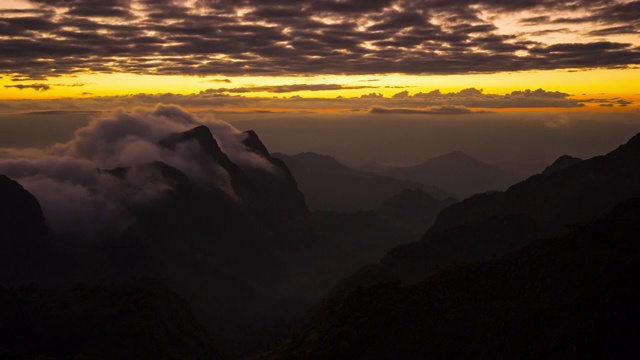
(252,141)
(203,136)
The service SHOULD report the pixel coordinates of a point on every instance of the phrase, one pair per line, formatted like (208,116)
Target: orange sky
(71,50)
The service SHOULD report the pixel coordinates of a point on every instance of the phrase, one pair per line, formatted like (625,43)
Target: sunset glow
(319,50)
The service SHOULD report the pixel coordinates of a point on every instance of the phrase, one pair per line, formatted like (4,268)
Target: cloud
(251,37)
(476,98)
(609,102)
(436,110)
(36,87)
(615,30)
(286,88)
(220,81)
(40,86)
(79,197)
(222,101)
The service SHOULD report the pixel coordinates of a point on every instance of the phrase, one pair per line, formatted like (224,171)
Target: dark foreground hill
(330,185)
(137,319)
(573,297)
(488,225)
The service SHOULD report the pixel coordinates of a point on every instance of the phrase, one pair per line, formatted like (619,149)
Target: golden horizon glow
(573,82)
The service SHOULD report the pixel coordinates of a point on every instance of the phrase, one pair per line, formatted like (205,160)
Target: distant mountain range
(329,185)
(488,225)
(456,173)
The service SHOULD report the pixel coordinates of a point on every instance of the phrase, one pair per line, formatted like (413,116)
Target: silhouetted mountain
(329,185)
(413,210)
(239,252)
(563,298)
(139,319)
(561,163)
(235,240)
(456,173)
(491,224)
(24,234)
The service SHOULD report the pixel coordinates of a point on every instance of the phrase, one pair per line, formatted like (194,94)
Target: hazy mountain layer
(330,185)
(456,173)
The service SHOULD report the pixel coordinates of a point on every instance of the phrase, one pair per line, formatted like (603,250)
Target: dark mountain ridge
(491,224)
(571,297)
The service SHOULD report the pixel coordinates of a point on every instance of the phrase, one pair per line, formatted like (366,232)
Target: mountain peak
(252,141)
(561,163)
(203,136)
(453,156)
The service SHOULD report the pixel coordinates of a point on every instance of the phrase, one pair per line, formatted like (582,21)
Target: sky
(350,59)
(323,49)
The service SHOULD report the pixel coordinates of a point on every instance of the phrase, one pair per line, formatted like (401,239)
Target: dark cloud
(609,102)
(285,88)
(436,110)
(36,87)
(535,20)
(615,30)
(251,37)
(220,81)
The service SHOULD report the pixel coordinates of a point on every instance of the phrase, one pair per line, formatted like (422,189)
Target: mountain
(561,163)
(413,210)
(139,319)
(228,231)
(572,297)
(236,245)
(456,173)
(136,319)
(24,235)
(488,225)
(330,185)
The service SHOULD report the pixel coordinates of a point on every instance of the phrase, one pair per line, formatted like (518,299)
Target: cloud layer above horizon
(250,37)
(436,102)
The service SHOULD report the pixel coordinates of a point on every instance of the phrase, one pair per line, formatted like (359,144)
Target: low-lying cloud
(79,197)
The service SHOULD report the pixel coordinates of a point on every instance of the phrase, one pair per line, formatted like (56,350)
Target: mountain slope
(457,173)
(329,185)
(570,297)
